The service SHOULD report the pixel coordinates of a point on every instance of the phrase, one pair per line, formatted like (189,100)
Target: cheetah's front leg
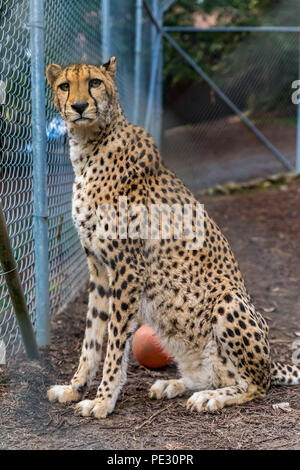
(96,325)
(167,389)
(123,321)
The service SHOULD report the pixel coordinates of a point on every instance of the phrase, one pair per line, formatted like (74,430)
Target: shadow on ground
(217,152)
(264,230)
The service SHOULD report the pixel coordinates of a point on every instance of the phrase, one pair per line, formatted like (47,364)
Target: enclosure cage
(228,116)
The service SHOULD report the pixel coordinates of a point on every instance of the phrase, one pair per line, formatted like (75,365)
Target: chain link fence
(204,140)
(72,35)
(16,160)
(74,32)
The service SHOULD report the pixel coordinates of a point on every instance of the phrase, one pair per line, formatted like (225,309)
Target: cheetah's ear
(110,66)
(52,72)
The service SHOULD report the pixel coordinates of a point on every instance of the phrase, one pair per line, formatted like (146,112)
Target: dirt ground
(264,230)
(216,152)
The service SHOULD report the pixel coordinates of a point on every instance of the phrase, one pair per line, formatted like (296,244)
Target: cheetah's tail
(284,374)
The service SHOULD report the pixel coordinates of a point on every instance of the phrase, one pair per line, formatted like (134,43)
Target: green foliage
(209,47)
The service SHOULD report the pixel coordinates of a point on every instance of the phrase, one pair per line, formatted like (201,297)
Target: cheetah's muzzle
(196,300)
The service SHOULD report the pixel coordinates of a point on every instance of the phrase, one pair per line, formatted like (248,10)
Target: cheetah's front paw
(63,394)
(205,401)
(166,388)
(98,408)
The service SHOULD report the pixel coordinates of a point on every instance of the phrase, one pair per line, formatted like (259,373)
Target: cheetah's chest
(84,215)
(95,223)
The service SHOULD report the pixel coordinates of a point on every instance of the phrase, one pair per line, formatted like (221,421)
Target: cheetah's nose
(80,106)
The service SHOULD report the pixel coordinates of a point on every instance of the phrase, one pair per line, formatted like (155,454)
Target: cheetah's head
(85,95)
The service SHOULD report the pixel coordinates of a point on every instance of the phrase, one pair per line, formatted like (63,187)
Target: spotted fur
(195,299)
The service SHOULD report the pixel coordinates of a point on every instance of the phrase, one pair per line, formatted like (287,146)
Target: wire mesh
(16,160)
(122,23)
(204,141)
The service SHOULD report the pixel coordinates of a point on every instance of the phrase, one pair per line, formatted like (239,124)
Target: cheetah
(194,297)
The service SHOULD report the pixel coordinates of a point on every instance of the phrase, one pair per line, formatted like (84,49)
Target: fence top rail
(191,29)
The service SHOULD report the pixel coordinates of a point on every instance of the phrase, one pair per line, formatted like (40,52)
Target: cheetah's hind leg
(243,350)
(212,400)
(96,327)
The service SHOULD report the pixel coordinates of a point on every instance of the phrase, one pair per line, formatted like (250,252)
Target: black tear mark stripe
(77,69)
(65,106)
(90,93)
(59,105)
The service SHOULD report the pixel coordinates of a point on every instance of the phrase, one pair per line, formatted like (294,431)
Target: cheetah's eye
(95,83)
(64,86)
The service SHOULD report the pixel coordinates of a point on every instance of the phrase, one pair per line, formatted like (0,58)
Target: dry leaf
(284,406)
(269,309)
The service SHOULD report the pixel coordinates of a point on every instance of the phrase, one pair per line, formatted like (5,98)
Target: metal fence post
(160,83)
(138,59)
(15,290)
(39,170)
(153,118)
(105,30)
(297,169)
(154,34)
(229,103)
(153,80)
